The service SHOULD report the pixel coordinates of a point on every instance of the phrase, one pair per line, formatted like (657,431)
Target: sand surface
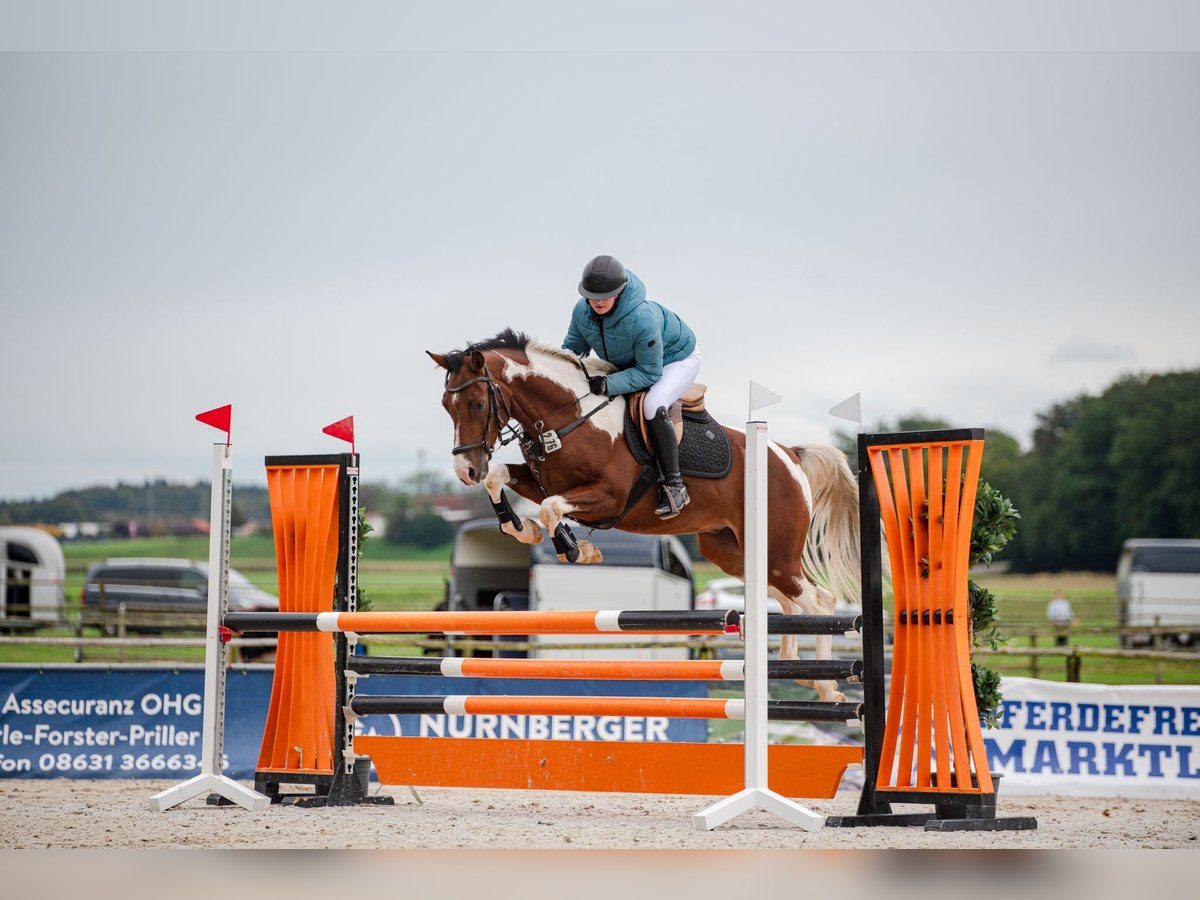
(66,813)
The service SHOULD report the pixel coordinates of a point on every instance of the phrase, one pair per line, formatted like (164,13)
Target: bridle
(543,442)
(497,409)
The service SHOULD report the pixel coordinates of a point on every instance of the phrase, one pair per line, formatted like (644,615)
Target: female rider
(650,346)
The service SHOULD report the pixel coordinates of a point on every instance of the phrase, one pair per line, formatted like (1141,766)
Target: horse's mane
(519,340)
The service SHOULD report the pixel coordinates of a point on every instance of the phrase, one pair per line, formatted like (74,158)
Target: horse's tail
(832,551)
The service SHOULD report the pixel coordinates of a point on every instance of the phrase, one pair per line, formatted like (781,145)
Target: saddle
(692,401)
(704,450)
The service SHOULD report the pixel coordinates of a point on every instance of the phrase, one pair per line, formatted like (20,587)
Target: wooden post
(121,632)
(1074,662)
(1033,659)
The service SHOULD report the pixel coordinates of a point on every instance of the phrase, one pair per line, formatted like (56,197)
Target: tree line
(1099,470)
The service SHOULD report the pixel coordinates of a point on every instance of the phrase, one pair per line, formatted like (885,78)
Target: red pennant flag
(343,430)
(218,418)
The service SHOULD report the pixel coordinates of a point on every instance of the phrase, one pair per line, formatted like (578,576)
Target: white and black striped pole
(756,794)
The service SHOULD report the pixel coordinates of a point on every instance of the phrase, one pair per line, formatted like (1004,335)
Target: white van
(1158,583)
(32,570)
(490,570)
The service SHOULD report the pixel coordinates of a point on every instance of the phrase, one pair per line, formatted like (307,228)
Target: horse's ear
(438,358)
(477,360)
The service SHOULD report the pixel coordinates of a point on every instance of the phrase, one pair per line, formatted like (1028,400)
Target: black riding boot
(672,496)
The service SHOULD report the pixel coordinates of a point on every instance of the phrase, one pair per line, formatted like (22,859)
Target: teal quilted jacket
(638,336)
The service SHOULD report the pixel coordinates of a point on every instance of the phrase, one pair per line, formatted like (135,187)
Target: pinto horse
(512,388)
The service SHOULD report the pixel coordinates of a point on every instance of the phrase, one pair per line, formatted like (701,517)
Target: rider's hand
(598,384)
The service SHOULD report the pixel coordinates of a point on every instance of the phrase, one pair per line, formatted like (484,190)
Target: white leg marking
(497,478)
(814,601)
(552,511)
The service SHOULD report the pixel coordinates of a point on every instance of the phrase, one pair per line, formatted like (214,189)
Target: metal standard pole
(871,573)
(210,779)
(757,793)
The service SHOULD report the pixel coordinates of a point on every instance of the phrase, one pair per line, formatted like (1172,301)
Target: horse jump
(314,524)
(900,767)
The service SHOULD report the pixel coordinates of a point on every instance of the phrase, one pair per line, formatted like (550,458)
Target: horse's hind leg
(588,502)
(795,593)
(813,600)
(526,531)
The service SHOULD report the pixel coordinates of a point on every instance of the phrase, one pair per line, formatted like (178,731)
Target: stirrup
(671,500)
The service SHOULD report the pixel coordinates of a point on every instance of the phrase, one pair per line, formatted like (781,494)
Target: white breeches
(677,377)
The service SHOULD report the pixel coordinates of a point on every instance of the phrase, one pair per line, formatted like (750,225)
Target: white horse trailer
(490,570)
(32,570)
(1158,583)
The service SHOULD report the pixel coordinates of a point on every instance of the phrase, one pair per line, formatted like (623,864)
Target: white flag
(760,397)
(849,409)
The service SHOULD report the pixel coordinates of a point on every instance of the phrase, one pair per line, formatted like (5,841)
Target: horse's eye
(476,406)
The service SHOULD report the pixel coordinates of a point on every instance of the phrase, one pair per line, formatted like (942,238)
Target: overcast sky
(975,236)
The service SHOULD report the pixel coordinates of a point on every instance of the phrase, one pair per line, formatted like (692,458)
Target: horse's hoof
(535,530)
(589,553)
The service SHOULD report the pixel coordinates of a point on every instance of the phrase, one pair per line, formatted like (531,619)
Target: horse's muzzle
(471,468)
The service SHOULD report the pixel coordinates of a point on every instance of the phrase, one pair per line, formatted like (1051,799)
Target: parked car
(162,595)
(729,593)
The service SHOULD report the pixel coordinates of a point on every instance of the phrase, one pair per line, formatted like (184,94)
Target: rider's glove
(598,384)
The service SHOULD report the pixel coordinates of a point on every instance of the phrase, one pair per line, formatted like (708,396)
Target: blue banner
(79,721)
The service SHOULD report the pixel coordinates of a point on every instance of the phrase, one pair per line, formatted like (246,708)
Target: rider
(650,346)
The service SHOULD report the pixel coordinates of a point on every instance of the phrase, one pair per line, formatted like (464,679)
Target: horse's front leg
(527,531)
(594,500)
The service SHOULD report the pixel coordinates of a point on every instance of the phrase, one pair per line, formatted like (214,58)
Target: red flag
(218,418)
(343,430)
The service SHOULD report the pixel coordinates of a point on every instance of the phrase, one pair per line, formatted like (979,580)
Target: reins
(544,441)
(536,448)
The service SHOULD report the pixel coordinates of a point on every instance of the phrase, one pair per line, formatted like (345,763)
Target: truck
(32,571)
(489,570)
(1158,583)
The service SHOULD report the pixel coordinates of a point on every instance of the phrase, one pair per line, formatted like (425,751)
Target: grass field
(396,578)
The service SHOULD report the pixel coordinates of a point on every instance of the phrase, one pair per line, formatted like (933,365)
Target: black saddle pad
(704,451)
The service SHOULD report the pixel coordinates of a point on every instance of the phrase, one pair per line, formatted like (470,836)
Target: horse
(512,388)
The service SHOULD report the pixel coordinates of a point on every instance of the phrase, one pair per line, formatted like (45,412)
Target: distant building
(73,531)
(454,508)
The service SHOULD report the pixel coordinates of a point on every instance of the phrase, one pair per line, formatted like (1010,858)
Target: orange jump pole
(605,621)
(603,669)
(929,747)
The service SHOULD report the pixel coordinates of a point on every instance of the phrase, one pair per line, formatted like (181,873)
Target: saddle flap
(692,401)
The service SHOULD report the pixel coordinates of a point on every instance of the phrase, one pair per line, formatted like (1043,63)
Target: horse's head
(477,408)
(508,377)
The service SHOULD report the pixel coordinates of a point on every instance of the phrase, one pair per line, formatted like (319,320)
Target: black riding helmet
(603,277)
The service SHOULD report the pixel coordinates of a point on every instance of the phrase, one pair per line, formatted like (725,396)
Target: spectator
(1061,617)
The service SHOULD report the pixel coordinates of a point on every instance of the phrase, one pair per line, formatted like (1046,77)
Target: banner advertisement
(1095,740)
(83,721)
